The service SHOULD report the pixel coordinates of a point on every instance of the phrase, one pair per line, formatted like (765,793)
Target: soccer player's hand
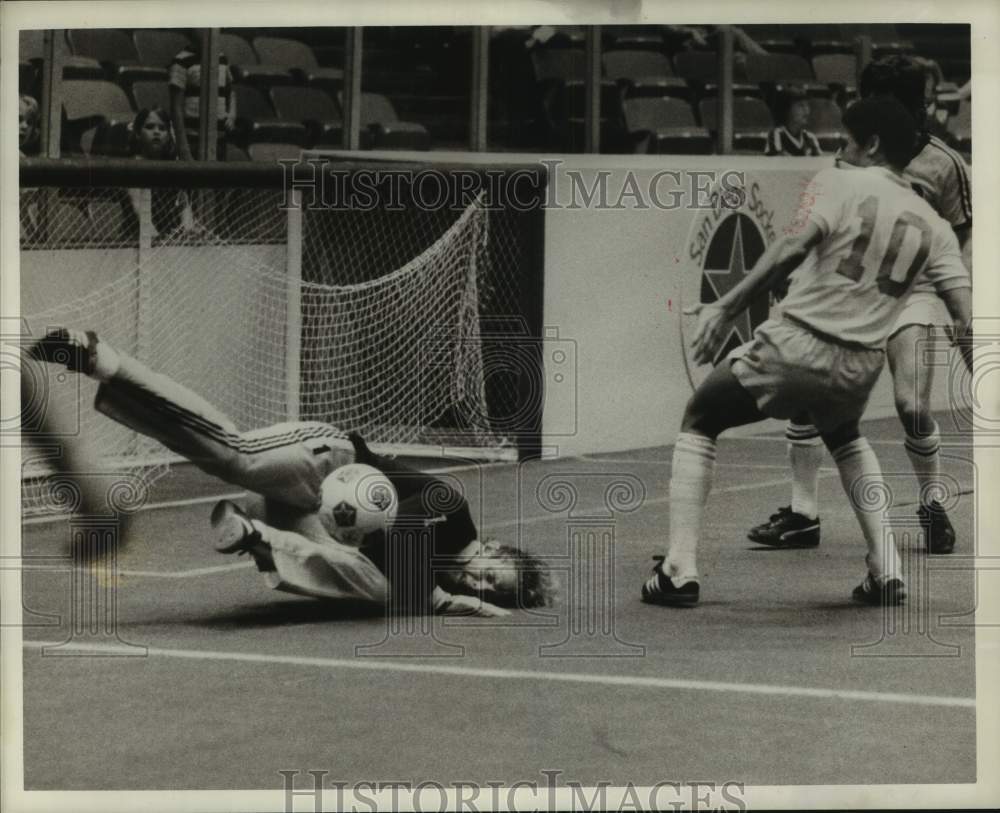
(713,327)
(469,605)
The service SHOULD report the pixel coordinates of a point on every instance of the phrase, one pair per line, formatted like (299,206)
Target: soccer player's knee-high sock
(690,483)
(805,453)
(924,454)
(861,474)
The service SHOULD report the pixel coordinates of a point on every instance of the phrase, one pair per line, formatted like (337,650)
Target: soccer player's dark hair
(900,76)
(885,117)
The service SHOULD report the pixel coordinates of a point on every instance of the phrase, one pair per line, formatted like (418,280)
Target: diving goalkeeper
(430,560)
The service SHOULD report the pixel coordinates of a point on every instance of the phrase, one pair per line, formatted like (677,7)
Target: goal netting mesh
(367,320)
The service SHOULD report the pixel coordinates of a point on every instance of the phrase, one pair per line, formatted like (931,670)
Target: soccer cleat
(233,529)
(937,528)
(786,529)
(76,349)
(886,594)
(660,589)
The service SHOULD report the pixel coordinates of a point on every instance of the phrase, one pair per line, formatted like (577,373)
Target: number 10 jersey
(879,238)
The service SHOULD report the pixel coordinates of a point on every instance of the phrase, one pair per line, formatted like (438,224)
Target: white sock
(861,477)
(924,454)
(805,453)
(690,484)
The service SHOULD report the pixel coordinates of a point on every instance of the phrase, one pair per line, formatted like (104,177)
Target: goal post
(383,296)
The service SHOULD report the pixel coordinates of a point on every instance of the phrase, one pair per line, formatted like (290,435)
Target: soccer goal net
(373,297)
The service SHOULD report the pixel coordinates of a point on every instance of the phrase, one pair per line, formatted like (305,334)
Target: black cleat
(75,349)
(887,594)
(786,529)
(233,529)
(937,528)
(660,589)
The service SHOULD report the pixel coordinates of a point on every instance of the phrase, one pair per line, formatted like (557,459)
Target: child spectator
(185,100)
(152,138)
(791,136)
(27,126)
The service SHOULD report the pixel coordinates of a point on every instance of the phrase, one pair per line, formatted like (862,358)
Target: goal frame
(146,175)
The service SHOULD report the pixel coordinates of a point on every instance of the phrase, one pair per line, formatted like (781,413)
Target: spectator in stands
(791,137)
(152,138)
(185,100)
(28,142)
(27,126)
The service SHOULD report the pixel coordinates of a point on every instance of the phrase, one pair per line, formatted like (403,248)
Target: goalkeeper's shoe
(661,589)
(938,530)
(76,349)
(233,529)
(786,529)
(887,593)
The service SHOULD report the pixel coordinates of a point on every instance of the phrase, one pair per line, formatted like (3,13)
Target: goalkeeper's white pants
(286,462)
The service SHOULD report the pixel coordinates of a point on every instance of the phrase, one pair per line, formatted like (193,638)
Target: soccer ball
(357,499)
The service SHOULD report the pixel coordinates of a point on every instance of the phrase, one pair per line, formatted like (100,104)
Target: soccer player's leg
(797,525)
(283,462)
(721,402)
(293,563)
(860,472)
(912,390)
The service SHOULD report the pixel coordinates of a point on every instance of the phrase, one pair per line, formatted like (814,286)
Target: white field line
(630,681)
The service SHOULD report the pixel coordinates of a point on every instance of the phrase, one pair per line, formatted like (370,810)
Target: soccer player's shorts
(789,370)
(922,308)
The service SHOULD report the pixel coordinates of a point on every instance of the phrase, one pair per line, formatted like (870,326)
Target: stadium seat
(664,125)
(701,66)
(751,121)
(633,38)
(775,39)
(312,107)
(245,65)
(825,122)
(114,49)
(644,73)
(565,110)
(299,59)
(32,50)
(782,70)
(157,47)
(384,130)
(150,95)
(701,69)
(256,120)
(836,70)
(90,100)
(558,64)
(267,151)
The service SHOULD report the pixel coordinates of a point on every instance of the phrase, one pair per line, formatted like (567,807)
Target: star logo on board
(723,280)
(731,253)
(345,515)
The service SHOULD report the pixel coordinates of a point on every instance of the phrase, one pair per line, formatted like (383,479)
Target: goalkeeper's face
(487,573)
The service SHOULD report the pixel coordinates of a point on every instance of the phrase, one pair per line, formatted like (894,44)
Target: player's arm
(782,257)
(953,282)
(446,603)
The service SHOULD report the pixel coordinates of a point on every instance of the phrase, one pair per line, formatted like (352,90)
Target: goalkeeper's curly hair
(536,586)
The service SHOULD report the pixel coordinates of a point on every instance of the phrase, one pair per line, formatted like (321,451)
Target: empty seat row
(286,114)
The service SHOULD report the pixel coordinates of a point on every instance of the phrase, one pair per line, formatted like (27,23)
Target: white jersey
(879,238)
(941,177)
